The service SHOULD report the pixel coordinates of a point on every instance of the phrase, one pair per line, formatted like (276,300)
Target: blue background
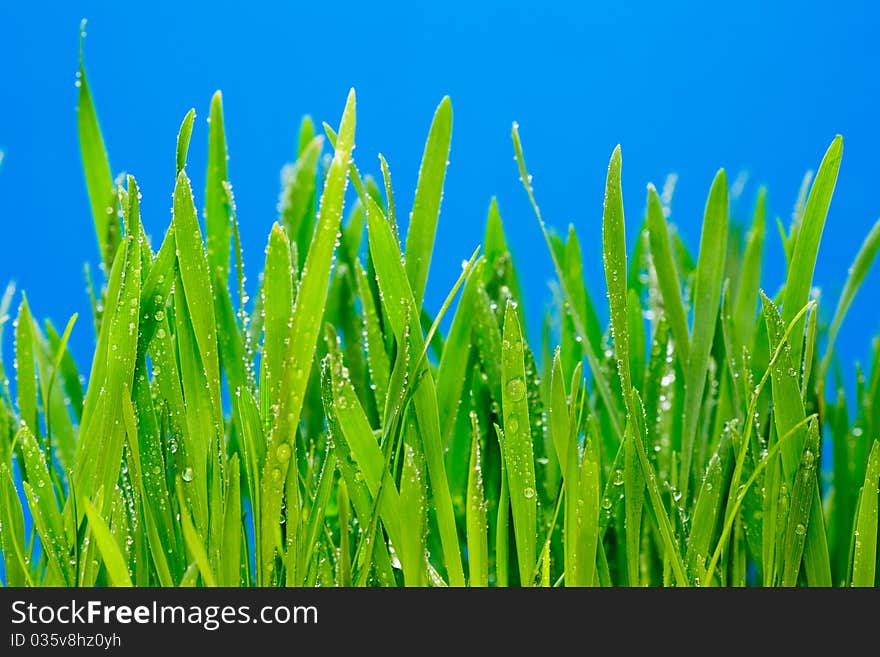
(756,86)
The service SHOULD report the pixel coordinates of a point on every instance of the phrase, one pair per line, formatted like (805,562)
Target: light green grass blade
(518,451)
(196,289)
(277,310)
(865,533)
(44,507)
(857,273)
(183,137)
(413,517)
(308,310)
(399,301)
(96,166)
(573,270)
(614,258)
(230,553)
(806,249)
(452,372)
(114,561)
(15,559)
(588,513)
(150,505)
(426,206)
(789,413)
(667,275)
(599,378)
(217,225)
(378,362)
(101,435)
(707,299)
(194,544)
(476,516)
(799,511)
(26,369)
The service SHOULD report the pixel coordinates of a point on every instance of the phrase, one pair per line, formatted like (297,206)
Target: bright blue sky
(747,85)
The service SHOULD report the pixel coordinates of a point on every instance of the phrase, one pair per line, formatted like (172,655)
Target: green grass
(332,429)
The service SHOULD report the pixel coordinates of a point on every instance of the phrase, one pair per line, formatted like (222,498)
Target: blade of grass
(426,206)
(707,299)
(806,249)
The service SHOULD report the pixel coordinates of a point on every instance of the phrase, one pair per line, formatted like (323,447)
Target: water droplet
(618,477)
(187,474)
(800,529)
(283,453)
(529,493)
(516,389)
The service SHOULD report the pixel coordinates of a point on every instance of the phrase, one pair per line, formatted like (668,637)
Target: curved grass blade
(806,248)
(183,137)
(426,206)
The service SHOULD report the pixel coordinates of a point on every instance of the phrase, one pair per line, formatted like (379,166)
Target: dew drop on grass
(618,477)
(187,474)
(516,389)
(529,493)
(282,453)
(800,529)
(513,424)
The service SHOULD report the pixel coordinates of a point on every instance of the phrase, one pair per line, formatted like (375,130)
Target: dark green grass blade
(426,206)
(707,298)
(806,249)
